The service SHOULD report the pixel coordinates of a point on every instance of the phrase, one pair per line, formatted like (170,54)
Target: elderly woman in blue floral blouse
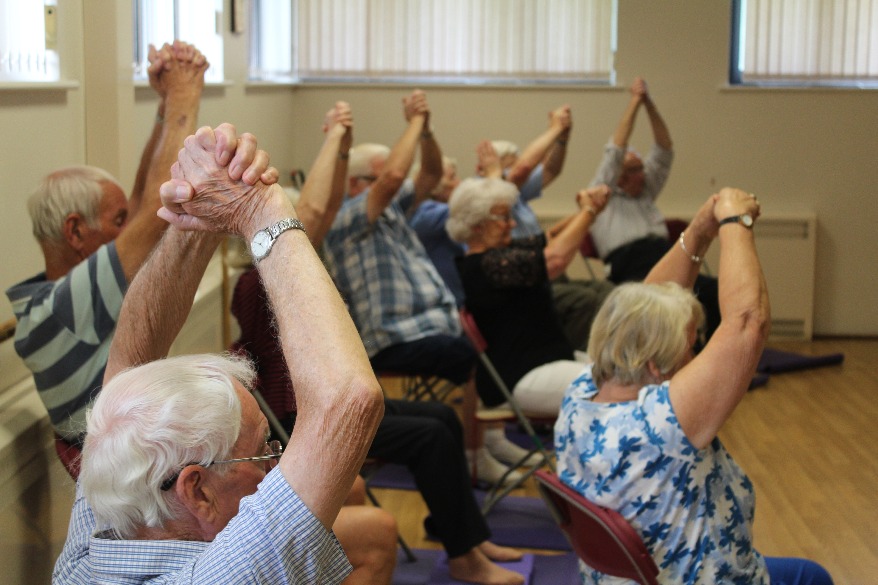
(638,429)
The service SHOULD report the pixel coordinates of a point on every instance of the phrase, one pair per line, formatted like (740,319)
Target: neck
(613,391)
(58,261)
(172,530)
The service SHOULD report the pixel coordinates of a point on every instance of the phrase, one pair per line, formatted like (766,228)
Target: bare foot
(500,554)
(475,567)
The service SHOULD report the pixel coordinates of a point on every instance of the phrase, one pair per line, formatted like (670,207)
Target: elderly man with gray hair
(176,467)
(94,241)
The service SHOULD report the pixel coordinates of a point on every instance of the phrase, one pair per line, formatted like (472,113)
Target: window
(805,42)
(28,40)
(474,41)
(198,22)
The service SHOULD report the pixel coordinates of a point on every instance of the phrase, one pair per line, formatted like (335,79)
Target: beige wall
(801,151)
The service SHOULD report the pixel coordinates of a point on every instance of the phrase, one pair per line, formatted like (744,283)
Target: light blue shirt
(273,539)
(693,507)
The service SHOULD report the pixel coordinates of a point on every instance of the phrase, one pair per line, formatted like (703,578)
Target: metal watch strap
(275,230)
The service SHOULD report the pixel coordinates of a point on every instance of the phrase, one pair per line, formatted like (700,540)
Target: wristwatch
(745,220)
(264,239)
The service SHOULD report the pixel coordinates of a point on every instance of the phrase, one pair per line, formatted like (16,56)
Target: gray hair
(149,422)
(69,190)
(504,148)
(361,157)
(471,202)
(638,324)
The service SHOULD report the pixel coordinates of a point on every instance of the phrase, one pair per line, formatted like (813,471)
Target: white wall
(801,151)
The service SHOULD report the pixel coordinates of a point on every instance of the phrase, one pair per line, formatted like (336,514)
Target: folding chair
(602,538)
(513,412)
(419,387)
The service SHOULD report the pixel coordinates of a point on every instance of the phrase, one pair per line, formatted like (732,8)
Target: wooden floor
(809,442)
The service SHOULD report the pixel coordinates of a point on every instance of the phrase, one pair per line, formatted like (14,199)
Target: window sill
(38,85)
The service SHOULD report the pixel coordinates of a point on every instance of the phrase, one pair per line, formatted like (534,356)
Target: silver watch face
(747,220)
(260,244)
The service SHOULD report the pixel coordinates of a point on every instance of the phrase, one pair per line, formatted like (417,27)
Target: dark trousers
(427,438)
(446,356)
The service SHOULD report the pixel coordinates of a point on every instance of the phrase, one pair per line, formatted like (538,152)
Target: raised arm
(683,262)
(430,171)
(339,400)
(180,81)
(324,188)
(488,161)
(626,123)
(660,132)
(160,296)
(553,162)
(401,156)
(706,391)
(539,148)
(561,248)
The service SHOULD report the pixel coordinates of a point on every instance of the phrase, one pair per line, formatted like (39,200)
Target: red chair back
(587,248)
(602,538)
(69,455)
(471,330)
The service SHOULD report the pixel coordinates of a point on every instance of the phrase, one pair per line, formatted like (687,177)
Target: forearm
(318,193)
(395,169)
(743,295)
(681,265)
(660,132)
(553,163)
(626,124)
(561,249)
(533,155)
(159,299)
(430,172)
(339,400)
(136,198)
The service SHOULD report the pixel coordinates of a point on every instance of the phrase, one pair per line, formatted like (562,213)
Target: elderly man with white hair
(176,467)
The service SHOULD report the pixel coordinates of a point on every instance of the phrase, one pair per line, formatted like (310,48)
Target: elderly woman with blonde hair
(507,287)
(638,429)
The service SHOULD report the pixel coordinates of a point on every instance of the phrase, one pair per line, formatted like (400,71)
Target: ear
(655,372)
(197,496)
(74,231)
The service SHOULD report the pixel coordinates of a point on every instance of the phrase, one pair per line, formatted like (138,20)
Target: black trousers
(427,438)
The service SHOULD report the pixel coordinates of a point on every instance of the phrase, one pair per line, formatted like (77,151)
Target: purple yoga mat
(431,568)
(774,361)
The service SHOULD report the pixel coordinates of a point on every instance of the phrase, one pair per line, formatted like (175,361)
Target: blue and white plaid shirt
(274,539)
(394,293)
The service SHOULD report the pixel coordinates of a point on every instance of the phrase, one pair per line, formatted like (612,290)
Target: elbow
(391,180)
(364,401)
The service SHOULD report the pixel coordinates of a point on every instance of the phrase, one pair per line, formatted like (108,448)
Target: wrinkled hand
(182,70)
(561,118)
(731,201)
(339,115)
(705,223)
(159,59)
(638,88)
(215,183)
(488,162)
(415,105)
(594,198)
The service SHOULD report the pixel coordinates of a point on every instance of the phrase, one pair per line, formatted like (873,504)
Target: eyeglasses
(367,178)
(496,217)
(274,450)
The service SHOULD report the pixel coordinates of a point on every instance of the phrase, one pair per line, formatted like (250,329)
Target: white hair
(78,189)
(638,324)
(361,157)
(504,148)
(148,423)
(471,202)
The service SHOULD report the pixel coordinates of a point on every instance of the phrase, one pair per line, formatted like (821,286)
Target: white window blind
(831,42)
(27,41)
(198,22)
(452,40)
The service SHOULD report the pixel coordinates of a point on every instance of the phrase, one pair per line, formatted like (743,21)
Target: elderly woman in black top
(507,290)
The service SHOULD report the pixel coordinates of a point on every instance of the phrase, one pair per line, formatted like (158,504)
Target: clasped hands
(222,182)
